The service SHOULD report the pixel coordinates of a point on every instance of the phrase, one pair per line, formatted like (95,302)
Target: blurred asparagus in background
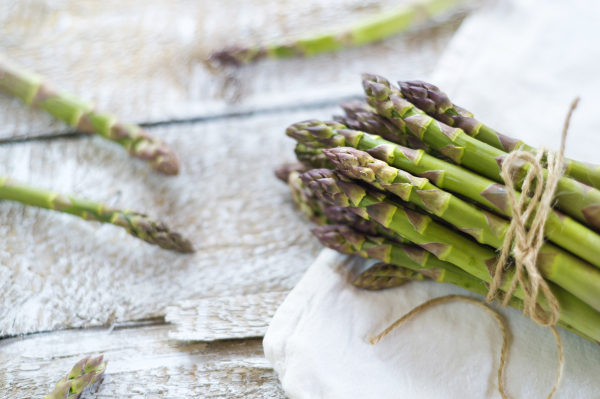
(372,29)
(35,91)
(136,224)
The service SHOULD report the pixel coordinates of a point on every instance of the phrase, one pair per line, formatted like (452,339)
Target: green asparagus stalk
(372,29)
(447,245)
(579,202)
(86,372)
(383,275)
(559,228)
(35,91)
(485,227)
(136,224)
(431,100)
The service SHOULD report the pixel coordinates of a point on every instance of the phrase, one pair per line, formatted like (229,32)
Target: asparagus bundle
(136,224)
(33,90)
(560,229)
(579,202)
(431,100)
(373,29)
(435,205)
(86,372)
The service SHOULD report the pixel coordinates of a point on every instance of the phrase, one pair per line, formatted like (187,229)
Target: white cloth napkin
(318,342)
(517,65)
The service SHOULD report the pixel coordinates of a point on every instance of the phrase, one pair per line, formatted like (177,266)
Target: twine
(525,246)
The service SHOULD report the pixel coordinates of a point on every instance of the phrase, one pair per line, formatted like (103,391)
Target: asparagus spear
(321,213)
(575,315)
(305,200)
(35,91)
(363,117)
(136,224)
(579,202)
(476,259)
(430,99)
(337,215)
(283,172)
(560,229)
(372,29)
(86,372)
(312,156)
(485,227)
(383,275)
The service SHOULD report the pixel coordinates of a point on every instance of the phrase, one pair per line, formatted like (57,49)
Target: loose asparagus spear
(33,90)
(383,275)
(560,229)
(86,372)
(579,202)
(449,245)
(485,227)
(136,224)
(431,100)
(575,314)
(373,29)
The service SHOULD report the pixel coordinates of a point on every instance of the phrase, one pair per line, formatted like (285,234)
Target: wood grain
(210,319)
(144,60)
(143,362)
(58,271)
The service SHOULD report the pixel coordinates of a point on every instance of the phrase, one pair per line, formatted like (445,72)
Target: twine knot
(525,245)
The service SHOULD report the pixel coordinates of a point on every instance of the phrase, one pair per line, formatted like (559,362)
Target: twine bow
(525,246)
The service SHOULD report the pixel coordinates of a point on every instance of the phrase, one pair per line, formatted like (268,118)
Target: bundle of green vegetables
(412,180)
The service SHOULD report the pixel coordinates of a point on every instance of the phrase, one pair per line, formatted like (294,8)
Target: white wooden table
(171,325)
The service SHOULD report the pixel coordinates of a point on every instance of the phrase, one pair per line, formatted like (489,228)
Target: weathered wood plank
(145,59)
(210,319)
(143,362)
(57,271)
